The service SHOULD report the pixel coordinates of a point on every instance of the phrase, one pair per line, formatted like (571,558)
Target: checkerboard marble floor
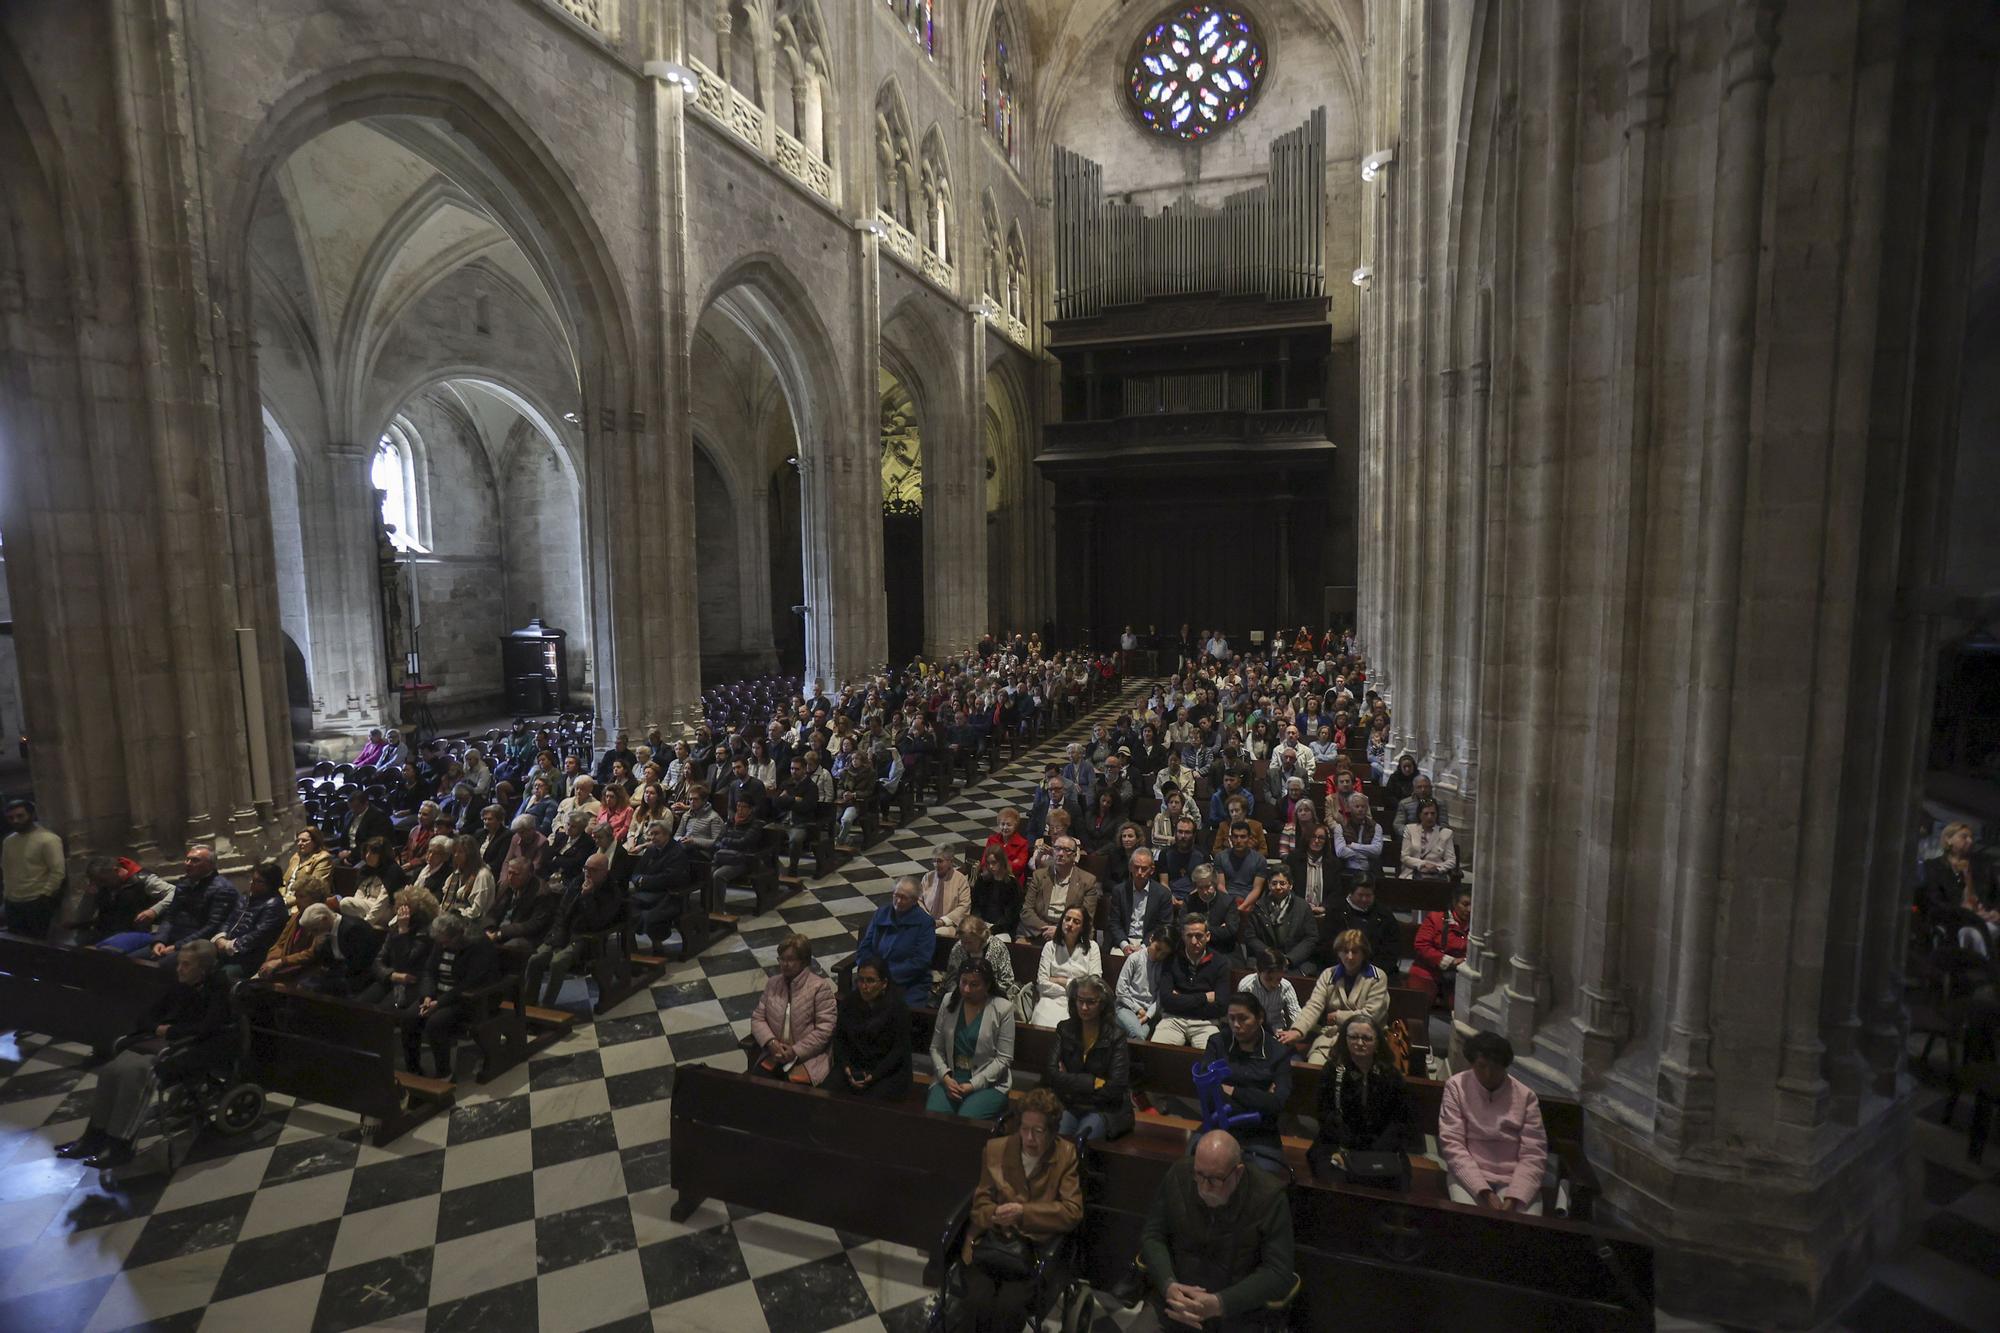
(539,1203)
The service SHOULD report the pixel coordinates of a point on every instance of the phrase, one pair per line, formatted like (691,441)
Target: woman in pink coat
(793,1022)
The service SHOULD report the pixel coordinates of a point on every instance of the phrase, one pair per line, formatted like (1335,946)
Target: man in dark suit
(1139,906)
(1054,795)
(364,821)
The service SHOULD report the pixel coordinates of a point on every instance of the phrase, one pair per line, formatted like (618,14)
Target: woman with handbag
(1366,1123)
(1028,1198)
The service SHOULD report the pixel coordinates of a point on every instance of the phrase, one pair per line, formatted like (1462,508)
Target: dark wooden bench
(88,996)
(335,1051)
(1387,1259)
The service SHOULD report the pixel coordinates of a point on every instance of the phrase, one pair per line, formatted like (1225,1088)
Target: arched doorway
(719,574)
(902,519)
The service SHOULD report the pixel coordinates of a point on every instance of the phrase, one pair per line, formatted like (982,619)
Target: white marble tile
(159,1290)
(647,1053)
(482,1261)
(587,1295)
(296,1203)
(205,1182)
(731,1309)
(286,1309)
(771,1243)
(555,1105)
(60,1260)
(693,1017)
(488,1159)
(380,1232)
(574,1184)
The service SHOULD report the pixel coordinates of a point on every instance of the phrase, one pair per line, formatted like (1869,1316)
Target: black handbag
(1381,1170)
(1004,1256)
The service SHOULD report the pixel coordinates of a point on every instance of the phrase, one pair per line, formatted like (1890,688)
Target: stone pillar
(955,502)
(338,528)
(1704,656)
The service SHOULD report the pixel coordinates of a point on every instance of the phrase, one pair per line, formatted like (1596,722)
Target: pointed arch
(993,265)
(805,87)
(896,188)
(940,210)
(1017,271)
(1003,79)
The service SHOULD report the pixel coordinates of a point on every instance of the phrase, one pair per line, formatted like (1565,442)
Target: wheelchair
(1071,1302)
(180,1114)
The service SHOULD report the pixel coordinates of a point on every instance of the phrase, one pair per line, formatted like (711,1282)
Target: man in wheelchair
(189,1033)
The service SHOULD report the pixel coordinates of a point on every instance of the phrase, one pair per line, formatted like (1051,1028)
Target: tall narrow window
(390,474)
(1001,111)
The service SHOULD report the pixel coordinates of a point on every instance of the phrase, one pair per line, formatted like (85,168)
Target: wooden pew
(88,996)
(1392,1260)
(338,1052)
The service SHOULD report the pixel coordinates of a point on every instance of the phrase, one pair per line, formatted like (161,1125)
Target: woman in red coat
(1441,946)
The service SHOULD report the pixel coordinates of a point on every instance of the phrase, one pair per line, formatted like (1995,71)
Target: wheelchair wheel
(1077,1308)
(238,1108)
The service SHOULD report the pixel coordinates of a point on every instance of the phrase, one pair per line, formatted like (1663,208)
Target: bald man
(1217,1244)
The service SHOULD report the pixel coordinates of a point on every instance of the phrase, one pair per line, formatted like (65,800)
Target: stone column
(344,594)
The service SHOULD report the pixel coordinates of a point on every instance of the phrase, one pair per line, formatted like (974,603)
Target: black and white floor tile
(540,1203)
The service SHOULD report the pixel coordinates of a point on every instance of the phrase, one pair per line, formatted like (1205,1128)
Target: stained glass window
(1196,70)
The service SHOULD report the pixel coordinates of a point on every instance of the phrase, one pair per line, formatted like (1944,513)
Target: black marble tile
(647,1166)
(736,1008)
(735,960)
(581,1235)
(310,1157)
(187,1230)
(76,1106)
(1883,1307)
(682,992)
(691,1265)
(813,1297)
(406,1178)
(375,1292)
(911,1317)
(573,1140)
(482,1207)
(766,937)
(40,1083)
(618,1031)
(559,1071)
(703,1041)
(1964,1241)
(93,1206)
(272,1261)
(61,1308)
(509,1309)
(801,912)
(214,1147)
(640,1086)
(486,1120)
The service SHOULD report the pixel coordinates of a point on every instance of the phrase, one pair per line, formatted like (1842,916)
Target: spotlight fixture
(674,73)
(987,310)
(572,418)
(1364,277)
(791,460)
(1372,165)
(873,226)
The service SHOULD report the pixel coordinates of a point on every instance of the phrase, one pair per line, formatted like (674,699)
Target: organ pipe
(1268,240)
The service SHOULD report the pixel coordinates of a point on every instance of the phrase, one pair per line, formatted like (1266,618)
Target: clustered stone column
(1665,325)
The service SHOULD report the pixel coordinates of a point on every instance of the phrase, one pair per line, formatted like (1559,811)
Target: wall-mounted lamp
(572,418)
(1372,165)
(873,226)
(675,74)
(1364,277)
(792,461)
(986,310)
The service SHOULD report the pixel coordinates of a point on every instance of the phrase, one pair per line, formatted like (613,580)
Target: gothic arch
(940,207)
(993,260)
(897,193)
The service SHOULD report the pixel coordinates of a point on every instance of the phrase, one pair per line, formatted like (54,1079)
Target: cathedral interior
(1621,376)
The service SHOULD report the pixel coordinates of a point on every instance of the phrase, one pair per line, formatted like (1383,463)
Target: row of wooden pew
(900,1173)
(317,1047)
